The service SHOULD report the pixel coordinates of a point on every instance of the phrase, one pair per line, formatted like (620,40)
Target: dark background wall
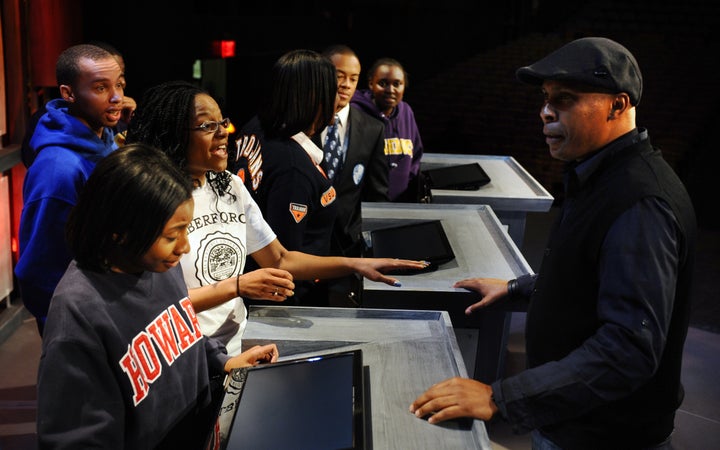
(161,39)
(461,56)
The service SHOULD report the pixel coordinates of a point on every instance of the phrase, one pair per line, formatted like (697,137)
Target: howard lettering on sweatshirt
(167,337)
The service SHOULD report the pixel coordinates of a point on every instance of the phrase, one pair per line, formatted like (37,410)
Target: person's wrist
(237,286)
(512,287)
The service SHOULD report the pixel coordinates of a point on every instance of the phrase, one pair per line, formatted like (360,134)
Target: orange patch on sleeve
(328,196)
(298,211)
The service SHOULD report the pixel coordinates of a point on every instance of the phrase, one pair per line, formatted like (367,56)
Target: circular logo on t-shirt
(220,256)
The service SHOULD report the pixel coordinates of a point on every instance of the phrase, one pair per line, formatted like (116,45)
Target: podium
(511,193)
(482,248)
(404,352)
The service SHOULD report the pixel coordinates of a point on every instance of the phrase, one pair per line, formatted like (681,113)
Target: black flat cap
(592,61)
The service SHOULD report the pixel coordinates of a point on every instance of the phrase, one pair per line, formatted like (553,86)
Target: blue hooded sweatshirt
(67,151)
(403,146)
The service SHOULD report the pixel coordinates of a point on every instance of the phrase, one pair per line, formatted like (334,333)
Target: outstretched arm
(309,267)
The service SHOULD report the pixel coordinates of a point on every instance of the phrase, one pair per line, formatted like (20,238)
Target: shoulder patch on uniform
(298,211)
(328,196)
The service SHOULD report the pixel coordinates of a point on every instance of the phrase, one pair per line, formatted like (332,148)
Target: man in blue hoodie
(74,134)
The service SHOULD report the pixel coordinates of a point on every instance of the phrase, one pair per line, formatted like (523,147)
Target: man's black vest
(562,312)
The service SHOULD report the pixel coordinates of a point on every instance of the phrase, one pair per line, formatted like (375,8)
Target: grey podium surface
(482,248)
(511,193)
(406,352)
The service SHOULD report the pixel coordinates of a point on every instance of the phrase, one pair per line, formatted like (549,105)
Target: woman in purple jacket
(387,81)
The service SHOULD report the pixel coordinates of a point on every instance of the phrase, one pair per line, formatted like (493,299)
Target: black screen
(464,177)
(424,241)
(312,403)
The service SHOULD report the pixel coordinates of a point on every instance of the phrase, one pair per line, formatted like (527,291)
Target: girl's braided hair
(162,120)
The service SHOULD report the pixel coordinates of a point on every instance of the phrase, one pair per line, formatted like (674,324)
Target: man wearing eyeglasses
(69,140)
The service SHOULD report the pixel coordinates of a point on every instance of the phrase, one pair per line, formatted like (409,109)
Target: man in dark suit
(361,173)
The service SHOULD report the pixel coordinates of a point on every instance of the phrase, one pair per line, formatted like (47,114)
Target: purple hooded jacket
(403,146)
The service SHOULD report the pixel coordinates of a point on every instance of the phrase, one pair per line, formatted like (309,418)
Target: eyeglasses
(211,126)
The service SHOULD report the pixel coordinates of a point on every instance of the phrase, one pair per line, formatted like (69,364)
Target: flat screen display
(460,177)
(309,403)
(422,241)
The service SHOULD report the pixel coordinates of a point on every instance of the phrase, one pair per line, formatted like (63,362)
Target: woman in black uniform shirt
(281,165)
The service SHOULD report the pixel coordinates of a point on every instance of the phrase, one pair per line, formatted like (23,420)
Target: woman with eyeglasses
(227,226)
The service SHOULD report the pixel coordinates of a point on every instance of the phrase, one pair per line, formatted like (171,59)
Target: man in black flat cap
(609,308)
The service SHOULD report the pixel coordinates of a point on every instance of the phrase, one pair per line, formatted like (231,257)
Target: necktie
(332,161)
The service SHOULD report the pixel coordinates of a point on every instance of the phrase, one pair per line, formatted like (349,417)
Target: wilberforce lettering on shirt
(168,335)
(211,219)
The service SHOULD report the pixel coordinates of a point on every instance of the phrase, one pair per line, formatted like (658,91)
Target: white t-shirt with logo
(223,232)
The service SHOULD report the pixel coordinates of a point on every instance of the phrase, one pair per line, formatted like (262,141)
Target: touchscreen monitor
(309,403)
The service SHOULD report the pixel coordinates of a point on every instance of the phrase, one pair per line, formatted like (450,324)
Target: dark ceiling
(161,39)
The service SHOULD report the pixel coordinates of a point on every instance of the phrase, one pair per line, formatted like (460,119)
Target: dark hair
(163,119)
(112,50)
(338,49)
(124,206)
(302,91)
(67,67)
(386,62)
(107,47)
